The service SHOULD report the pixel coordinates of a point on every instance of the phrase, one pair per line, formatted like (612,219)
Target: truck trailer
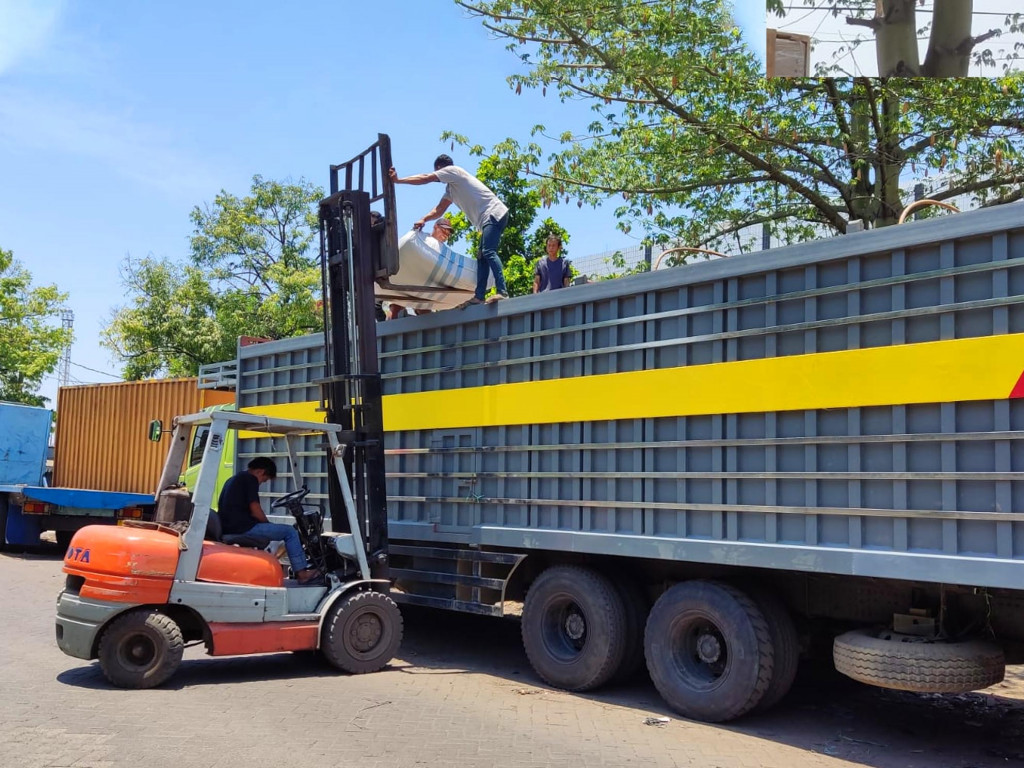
(104,467)
(29,504)
(716,468)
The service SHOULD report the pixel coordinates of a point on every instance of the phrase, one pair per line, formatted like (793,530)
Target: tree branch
(977,186)
(873,24)
(602,96)
(751,222)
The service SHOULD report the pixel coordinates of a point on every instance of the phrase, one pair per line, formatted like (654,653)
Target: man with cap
(442,229)
(240,512)
(481,206)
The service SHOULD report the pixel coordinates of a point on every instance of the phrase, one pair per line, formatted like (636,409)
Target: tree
(897,24)
(171,326)
(518,272)
(701,148)
(252,271)
(30,342)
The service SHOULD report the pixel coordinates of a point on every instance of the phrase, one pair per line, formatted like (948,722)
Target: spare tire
(908,663)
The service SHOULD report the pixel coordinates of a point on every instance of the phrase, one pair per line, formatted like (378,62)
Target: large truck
(29,505)
(716,468)
(104,468)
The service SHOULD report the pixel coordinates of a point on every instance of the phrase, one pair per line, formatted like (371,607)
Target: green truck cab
(195,457)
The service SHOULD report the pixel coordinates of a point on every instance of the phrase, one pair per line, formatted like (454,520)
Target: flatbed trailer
(31,510)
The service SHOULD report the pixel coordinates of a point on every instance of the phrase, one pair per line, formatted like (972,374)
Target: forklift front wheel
(362,632)
(141,649)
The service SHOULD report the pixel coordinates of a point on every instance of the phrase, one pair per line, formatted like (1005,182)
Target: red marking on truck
(1018,389)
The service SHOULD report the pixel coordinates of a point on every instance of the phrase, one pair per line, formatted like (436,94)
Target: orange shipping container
(102,438)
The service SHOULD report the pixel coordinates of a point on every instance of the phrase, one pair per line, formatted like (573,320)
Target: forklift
(136,594)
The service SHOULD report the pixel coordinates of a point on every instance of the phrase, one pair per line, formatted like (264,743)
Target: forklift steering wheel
(290,498)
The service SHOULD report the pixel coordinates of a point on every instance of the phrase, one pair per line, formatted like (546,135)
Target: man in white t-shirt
(481,206)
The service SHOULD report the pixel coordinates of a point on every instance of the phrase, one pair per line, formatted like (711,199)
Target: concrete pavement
(461,693)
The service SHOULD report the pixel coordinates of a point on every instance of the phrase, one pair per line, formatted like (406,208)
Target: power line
(830,7)
(101,373)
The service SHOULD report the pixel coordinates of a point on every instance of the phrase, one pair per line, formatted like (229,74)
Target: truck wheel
(362,632)
(709,650)
(574,628)
(140,649)
(785,642)
(636,605)
(909,663)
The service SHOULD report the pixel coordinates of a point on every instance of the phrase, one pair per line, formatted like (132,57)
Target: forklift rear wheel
(141,649)
(362,632)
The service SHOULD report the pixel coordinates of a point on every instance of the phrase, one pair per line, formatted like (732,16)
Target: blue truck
(28,505)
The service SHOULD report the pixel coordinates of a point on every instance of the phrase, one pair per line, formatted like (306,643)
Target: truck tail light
(34,508)
(133,513)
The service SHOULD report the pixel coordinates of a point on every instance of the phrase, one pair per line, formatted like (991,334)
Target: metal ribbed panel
(102,438)
(837,486)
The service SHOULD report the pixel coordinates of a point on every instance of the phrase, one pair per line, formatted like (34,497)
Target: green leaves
(31,335)
(252,272)
(703,151)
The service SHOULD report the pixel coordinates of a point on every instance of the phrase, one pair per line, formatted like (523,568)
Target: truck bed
(851,406)
(80,498)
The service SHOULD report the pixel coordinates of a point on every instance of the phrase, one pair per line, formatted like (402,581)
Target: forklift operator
(240,512)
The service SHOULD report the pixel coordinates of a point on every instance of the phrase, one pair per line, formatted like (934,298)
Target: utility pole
(67,319)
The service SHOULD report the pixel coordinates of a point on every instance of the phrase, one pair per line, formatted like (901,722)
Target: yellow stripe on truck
(986,368)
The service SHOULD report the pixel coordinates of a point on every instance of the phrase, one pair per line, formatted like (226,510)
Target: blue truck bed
(80,498)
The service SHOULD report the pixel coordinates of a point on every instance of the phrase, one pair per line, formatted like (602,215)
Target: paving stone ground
(460,694)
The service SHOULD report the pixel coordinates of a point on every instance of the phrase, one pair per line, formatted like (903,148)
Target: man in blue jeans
(240,512)
(483,209)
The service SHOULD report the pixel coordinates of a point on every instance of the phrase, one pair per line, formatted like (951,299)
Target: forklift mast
(358,247)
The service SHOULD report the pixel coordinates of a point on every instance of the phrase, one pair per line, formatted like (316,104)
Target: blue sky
(118,117)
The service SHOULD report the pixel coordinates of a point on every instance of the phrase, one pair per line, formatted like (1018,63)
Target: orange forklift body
(136,565)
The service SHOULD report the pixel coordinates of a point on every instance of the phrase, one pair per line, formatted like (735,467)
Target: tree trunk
(896,38)
(949,48)
(889,162)
(863,203)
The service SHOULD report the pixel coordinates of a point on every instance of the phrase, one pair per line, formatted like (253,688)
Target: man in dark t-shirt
(240,512)
(551,272)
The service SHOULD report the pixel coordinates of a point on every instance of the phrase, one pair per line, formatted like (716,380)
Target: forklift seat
(214,532)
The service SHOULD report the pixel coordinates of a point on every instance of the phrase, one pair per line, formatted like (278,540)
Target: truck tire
(574,628)
(786,643)
(362,632)
(906,663)
(140,649)
(636,605)
(709,650)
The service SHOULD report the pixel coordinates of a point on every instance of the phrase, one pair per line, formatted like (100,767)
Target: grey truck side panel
(926,491)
